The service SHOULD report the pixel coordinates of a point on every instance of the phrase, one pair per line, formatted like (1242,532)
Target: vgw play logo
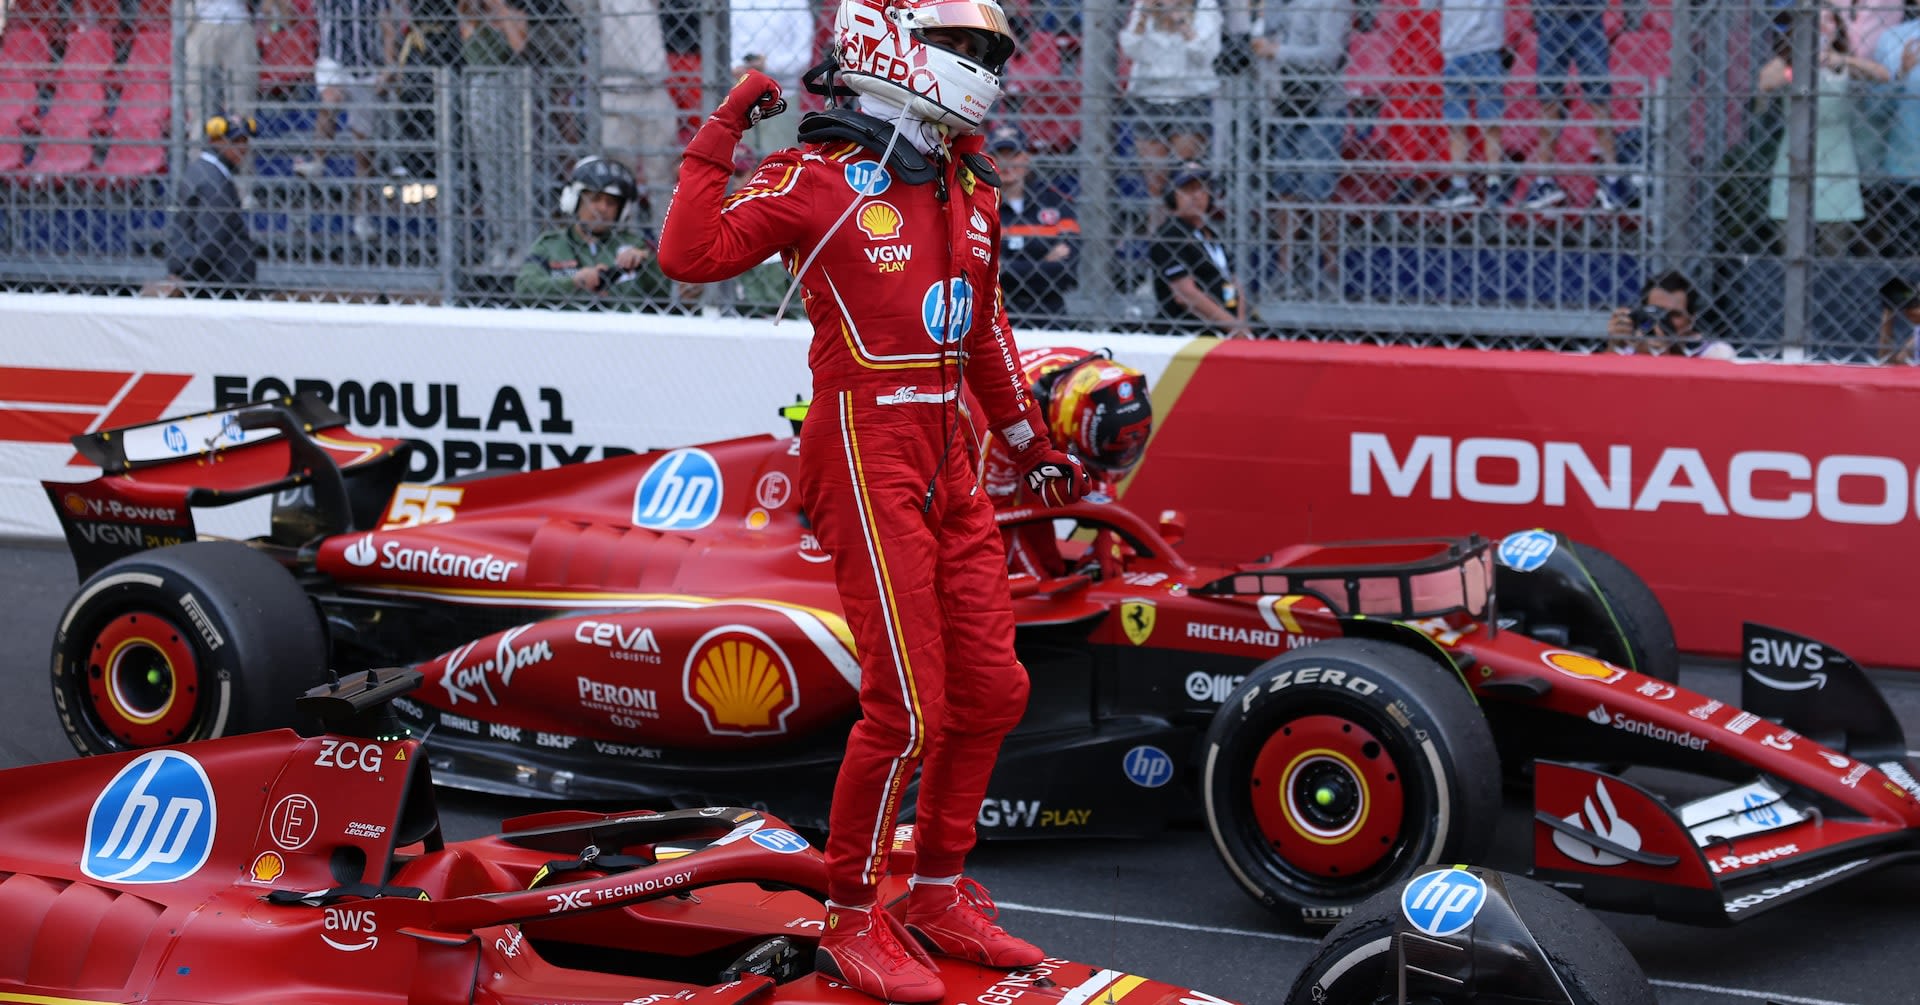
(153,823)
(680,492)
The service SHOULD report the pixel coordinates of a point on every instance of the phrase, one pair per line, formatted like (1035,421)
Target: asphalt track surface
(1166,908)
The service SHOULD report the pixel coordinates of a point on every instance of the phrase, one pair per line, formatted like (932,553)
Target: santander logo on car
(393,556)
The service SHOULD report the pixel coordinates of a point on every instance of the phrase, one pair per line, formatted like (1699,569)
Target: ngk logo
(1759,484)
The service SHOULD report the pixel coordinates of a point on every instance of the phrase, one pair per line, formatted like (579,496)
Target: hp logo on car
(680,492)
(175,438)
(1148,767)
(1526,550)
(1443,901)
(1762,812)
(153,823)
(784,842)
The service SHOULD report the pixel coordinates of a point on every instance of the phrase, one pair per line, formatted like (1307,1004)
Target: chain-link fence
(1432,171)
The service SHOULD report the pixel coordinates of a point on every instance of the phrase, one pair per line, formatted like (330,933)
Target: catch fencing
(1770,158)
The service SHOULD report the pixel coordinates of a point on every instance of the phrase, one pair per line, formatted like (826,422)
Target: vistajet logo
(1758,484)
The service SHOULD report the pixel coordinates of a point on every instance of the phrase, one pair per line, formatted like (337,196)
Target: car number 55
(417,504)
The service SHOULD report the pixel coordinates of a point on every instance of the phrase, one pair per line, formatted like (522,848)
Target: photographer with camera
(1899,322)
(1662,324)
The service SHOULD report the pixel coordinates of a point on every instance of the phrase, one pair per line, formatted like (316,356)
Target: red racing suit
(886,470)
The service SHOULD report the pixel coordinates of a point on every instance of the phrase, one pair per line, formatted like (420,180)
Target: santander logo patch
(361,554)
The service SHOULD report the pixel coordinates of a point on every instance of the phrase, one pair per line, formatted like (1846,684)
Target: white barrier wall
(481,388)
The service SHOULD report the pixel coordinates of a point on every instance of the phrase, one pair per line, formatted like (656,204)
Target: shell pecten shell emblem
(879,221)
(741,683)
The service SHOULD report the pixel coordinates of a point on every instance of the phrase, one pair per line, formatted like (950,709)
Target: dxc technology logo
(680,492)
(153,823)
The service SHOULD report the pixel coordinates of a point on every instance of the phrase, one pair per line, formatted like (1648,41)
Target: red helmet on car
(1096,407)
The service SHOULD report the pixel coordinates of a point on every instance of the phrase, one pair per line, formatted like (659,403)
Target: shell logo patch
(879,221)
(268,867)
(741,683)
(1578,665)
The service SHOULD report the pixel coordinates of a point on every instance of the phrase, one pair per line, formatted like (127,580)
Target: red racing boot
(868,950)
(956,919)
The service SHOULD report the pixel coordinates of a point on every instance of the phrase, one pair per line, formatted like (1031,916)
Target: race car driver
(1099,410)
(594,260)
(887,214)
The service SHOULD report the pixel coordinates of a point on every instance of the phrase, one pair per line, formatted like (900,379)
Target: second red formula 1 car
(663,628)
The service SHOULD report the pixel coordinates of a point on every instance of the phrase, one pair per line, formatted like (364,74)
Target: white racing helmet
(881,51)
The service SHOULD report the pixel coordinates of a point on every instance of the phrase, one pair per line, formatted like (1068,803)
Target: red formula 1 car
(663,628)
(272,868)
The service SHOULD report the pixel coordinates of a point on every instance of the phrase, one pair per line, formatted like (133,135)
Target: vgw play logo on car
(680,492)
(153,823)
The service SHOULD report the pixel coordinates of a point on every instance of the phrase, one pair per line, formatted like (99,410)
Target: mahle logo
(680,492)
(153,823)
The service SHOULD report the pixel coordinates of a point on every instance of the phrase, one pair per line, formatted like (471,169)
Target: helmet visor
(983,19)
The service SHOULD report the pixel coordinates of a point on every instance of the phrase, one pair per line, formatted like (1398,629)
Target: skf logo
(1576,665)
(1136,619)
(879,221)
(741,683)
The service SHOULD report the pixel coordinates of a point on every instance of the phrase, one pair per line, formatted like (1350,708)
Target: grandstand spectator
(1899,323)
(1897,198)
(1192,278)
(776,38)
(1472,39)
(1837,204)
(210,251)
(594,260)
(1171,86)
(359,44)
(1039,234)
(639,125)
(1574,32)
(222,57)
(1299,47)
(493,35)
(1663,323)
(430,40)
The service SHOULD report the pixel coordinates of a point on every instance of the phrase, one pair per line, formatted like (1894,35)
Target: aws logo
(741,683)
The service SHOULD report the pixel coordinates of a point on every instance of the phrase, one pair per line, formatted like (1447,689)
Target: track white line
(1248,933)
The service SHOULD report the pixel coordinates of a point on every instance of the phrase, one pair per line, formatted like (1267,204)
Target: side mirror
(1173,525)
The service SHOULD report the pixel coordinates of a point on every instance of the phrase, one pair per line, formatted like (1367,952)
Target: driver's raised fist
(755,98)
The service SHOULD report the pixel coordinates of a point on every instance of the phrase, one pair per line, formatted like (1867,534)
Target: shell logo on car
(1577,665)
(741,683)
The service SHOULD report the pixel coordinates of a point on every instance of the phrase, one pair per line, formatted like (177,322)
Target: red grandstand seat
(137,133)
(1048,108)
(1369,63)
(25,61)
(149,57)
(79,101)
(287,55)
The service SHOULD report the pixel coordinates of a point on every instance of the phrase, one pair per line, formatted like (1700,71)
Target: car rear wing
(1400,579)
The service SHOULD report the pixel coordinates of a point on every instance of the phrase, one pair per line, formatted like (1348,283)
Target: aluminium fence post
(1095,202)
(1801,158)
(451,189)
(1669,167)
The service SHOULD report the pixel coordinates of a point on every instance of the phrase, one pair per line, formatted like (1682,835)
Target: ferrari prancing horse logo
(1136,617)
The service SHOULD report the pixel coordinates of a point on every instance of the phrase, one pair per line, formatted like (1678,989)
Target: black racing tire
(189,642)
(1320,792)
(1643,621)
(1354,964)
